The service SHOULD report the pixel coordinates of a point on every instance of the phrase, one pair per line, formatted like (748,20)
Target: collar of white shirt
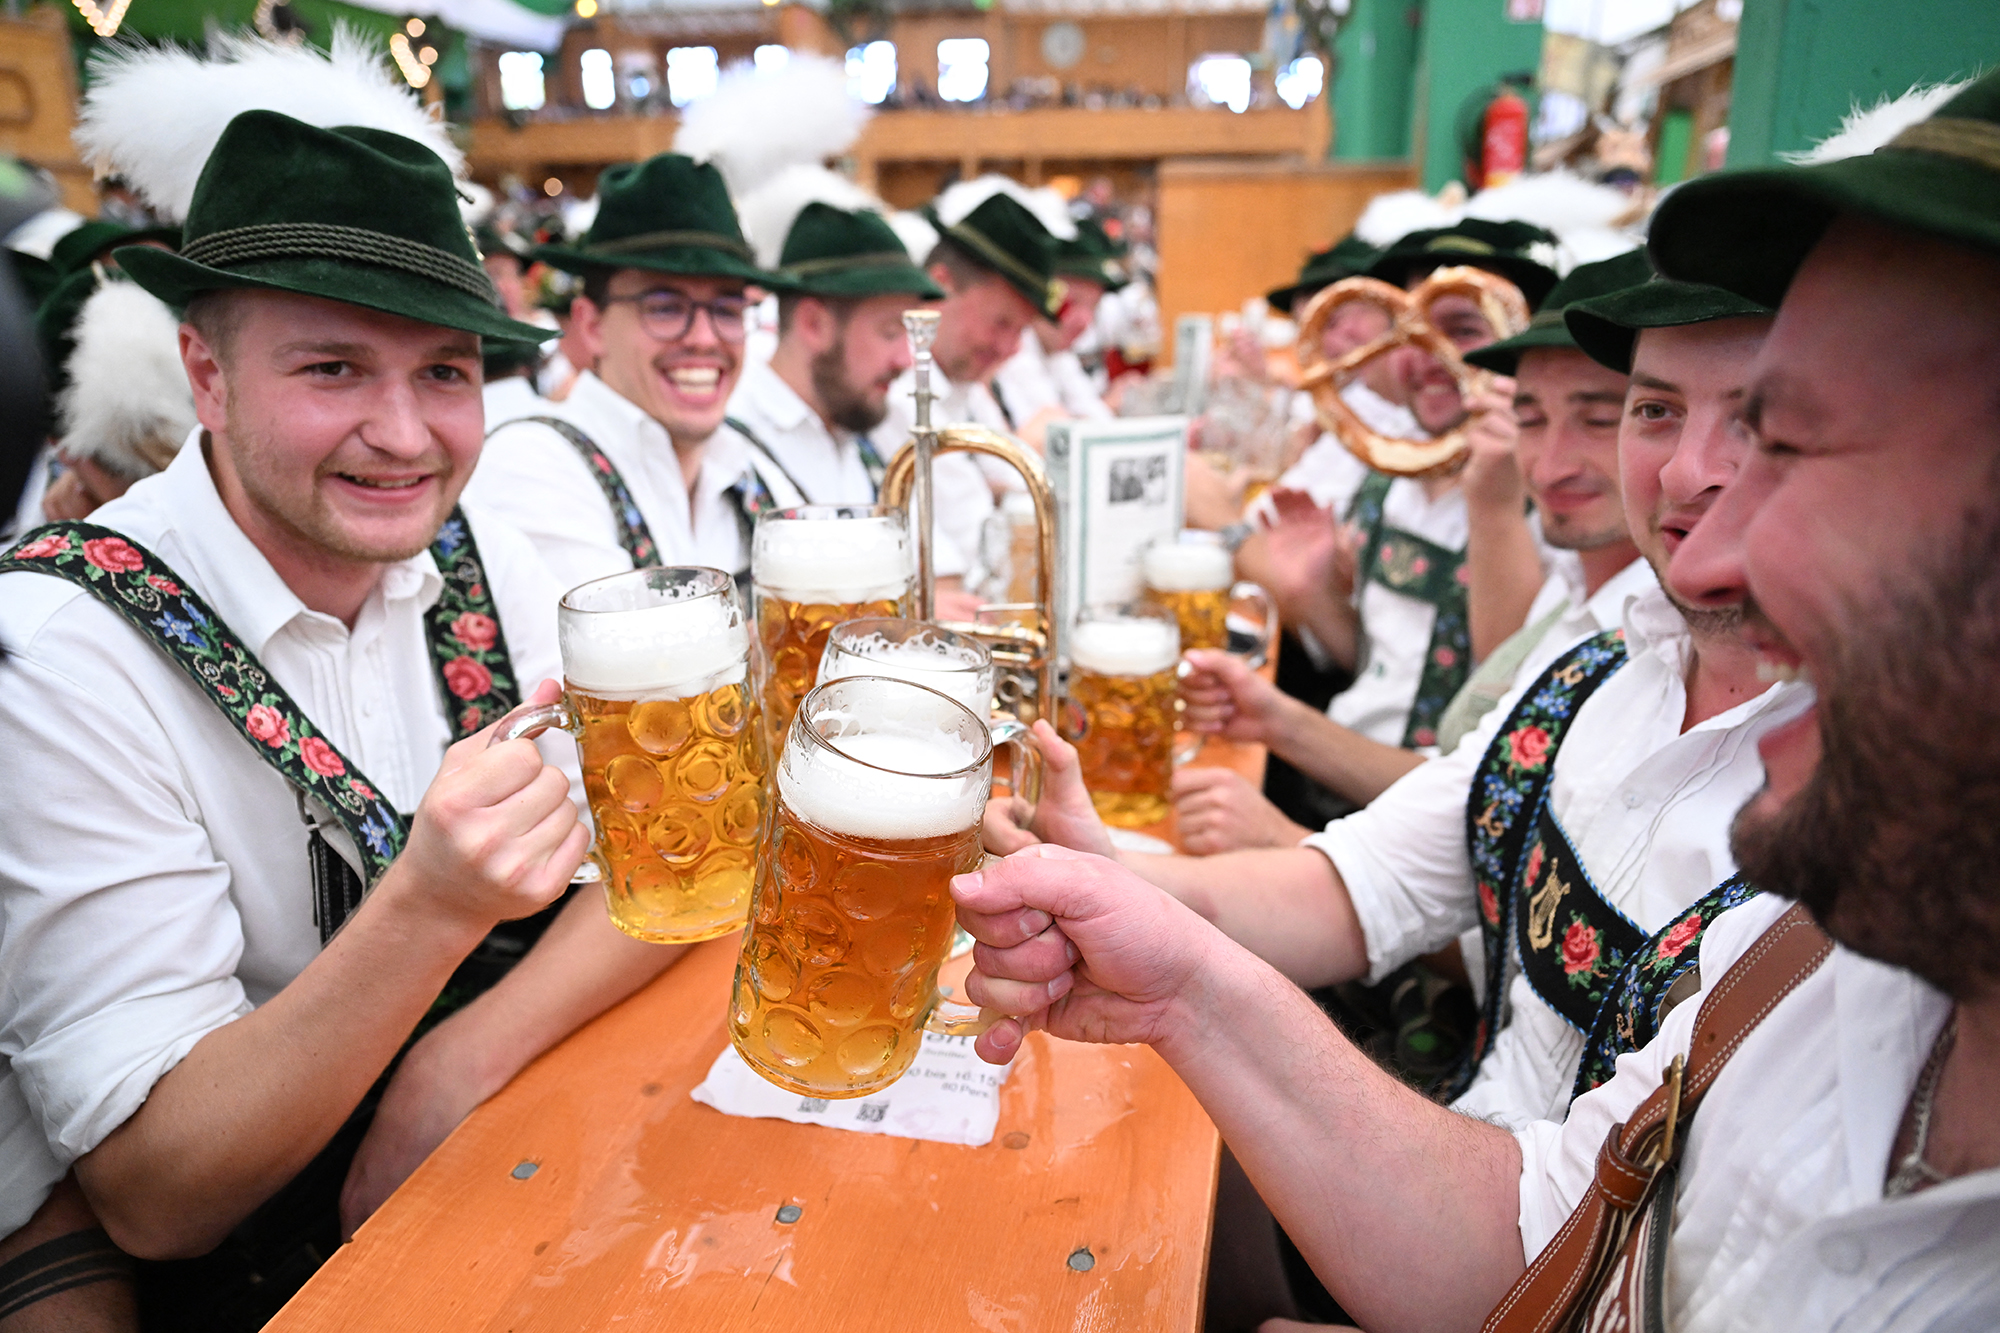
(182,509)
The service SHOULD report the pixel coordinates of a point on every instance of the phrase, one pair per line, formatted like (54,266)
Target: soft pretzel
(1499,301)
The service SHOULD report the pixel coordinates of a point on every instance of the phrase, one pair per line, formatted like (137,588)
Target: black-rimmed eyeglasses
(669,316)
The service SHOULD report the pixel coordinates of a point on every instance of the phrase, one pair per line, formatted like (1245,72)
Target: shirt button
(1633,800)
(1843,1254)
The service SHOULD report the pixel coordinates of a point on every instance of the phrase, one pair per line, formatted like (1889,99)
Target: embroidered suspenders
(1418,568)
(1508,837)
(633,534)
(468,653)
(1658,974)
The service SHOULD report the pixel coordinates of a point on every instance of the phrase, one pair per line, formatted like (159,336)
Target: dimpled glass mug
(880,791)
(656,691)
(1193,575)
(1122,707)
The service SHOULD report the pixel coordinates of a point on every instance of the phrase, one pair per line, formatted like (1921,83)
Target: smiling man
(1843,1168)
(845,281)
(1590,808)
(205,1022)
(636,466)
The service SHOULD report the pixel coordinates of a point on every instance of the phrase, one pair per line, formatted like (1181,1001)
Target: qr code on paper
(813,1105)
(872,1111)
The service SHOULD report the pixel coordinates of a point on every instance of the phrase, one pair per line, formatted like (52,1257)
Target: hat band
(321,240)
(997,257)
(1544,319)
(666,240)
(845,263)
(1462,244)
(1974,141)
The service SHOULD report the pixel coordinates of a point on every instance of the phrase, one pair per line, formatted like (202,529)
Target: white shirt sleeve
(120,938)
(531,477)
(1404,859)
(1558,1161)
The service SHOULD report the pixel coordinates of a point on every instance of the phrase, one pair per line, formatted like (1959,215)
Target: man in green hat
(1347,257)
(995,259)
(844,281)
(1045,380)
(636,466)
(201,1006)
(1844,1166)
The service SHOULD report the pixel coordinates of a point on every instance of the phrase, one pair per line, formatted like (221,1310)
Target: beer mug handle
(948,1017)
(1250,592)
(531,720)
(1024,759)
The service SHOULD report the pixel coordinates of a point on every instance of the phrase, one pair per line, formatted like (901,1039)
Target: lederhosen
(241,1284)
(1419,568)
(1588,961)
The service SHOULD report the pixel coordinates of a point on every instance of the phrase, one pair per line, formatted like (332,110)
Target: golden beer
(811,569)
(657,694)
(1121,711)
(1193,576)
(881,787)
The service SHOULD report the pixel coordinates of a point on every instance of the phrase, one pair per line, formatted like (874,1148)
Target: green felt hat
(837,252)
(1547,328)
(1347,257)
(1506,248)
(1004,236)
(80,245)
(1093,257)
(1607,328)
(668,214)
(356,215)
(1748,231)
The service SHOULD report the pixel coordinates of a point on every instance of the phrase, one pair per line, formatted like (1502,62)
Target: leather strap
(1558,1286)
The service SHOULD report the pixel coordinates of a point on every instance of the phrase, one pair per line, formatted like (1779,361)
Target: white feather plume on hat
(918,236)
(1867,128)
(1390,217)
(153,115)
(1049,208)
(127,406)
(1583,214)
(757,122)
(768,212)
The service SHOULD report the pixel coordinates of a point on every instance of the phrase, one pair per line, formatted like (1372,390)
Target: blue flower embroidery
(377,834)
(450,537)
(194,613)
(176,628)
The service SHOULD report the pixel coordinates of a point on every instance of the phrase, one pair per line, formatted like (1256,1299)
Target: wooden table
(593,1192)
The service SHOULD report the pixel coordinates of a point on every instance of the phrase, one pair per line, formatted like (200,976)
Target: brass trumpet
(1024,651)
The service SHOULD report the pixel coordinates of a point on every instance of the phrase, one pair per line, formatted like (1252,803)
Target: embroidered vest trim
(633,534)
(468,653)
(1571,939)
(1652,980)
(1504,810)
(1419,568)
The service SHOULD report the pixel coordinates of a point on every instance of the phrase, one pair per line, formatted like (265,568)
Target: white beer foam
(844,796)
(832,560)
(672,650)
(938,665)
(1125,646)
(1188,567)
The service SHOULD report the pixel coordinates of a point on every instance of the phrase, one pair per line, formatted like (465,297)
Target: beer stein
(656,691)
(880,791)
(1121,709)
(955,665)
(1193,575)
(810,569)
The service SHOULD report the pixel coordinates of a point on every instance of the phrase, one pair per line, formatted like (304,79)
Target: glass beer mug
(880,791)
(656,691)
(810,569)
(1193,575)
(1123,700)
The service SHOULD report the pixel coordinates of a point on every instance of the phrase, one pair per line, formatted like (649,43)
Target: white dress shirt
(1647,808)
(153,875)
(1780,1221)
(960,491)
(535,479)
(825,463)
(1034,380)
(510,398)
(1395,636)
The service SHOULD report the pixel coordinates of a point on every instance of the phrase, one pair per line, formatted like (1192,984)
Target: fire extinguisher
(1503,145)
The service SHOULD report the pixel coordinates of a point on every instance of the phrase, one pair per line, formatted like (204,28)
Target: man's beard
(1894,842)
(845,406)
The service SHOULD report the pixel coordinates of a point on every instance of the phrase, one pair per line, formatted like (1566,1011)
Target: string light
(415,71)
(415,27)
(586,9)
(103,22)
